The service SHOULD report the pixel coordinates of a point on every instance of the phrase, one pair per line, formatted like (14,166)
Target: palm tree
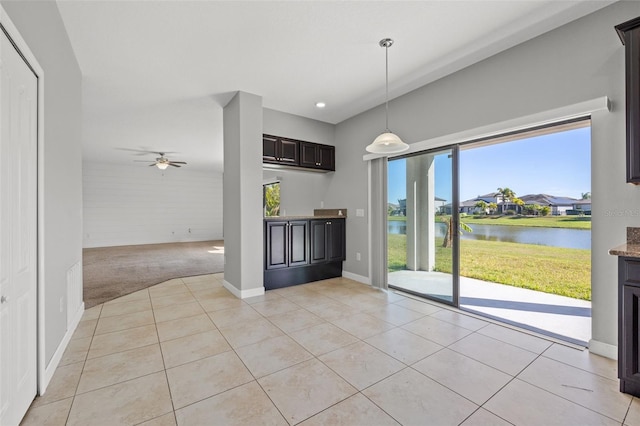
(482,205)
(518,202)
(448,236)
(492,207)
(507,194)
(585,195)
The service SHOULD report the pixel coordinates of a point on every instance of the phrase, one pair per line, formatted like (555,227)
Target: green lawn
(574,222)
(561,271)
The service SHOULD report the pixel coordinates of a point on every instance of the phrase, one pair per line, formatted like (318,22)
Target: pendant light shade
(387,142)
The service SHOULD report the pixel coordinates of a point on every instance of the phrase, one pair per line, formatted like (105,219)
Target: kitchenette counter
(631,248)
(311,217)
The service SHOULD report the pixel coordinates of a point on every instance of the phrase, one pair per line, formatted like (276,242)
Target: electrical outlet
(360,212)
(358,257)
(322,204)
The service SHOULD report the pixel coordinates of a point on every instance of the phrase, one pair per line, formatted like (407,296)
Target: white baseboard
(356,277)
(603,349)
(50,369)
(243,294)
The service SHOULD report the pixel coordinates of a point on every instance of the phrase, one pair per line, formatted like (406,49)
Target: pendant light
(387,142)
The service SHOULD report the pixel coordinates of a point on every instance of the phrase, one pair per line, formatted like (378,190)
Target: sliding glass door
(422,225)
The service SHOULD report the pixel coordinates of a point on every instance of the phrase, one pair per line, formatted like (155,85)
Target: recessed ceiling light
(320,104)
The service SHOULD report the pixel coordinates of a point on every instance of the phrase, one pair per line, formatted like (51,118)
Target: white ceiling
(157,73)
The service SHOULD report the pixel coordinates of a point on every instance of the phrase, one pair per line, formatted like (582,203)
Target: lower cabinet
(629,325)
(302,251)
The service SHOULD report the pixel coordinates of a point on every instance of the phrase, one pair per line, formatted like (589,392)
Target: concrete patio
(555,316)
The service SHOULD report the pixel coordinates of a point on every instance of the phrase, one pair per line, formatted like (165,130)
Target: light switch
(360,212)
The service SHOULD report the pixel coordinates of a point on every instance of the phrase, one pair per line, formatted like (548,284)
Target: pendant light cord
(386,59)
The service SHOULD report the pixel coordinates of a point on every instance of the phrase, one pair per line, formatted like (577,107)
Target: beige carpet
(111,272)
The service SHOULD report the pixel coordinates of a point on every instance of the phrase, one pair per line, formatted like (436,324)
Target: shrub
(510,213)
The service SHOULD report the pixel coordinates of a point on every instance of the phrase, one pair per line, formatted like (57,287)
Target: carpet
(111,272)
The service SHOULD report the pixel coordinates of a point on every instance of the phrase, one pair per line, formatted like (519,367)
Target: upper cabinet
(290,153)
(629,33)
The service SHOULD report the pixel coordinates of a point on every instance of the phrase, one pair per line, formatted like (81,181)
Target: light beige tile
(206,278)
(129,402)
(124,322)
(171,300)
(507,358)
(516,338)
(411,398)
(441,332)
(472,379)
(193,347)
(54,414)
(184,310)
(361,364)
(403,345)
(461,320)
(181,327)
(584,388)
(244,405)
(268,295)
(247,333)
(202,285)
(310,299)
(168,288)
(332,311)
(204,378)
(220,303)
(484,418)
(363,302)
(355,410)
(419,306)
(166,420)
(323,338)
(523,404)
(234,316)
(271,355)
(119,341)
(633,415)
(119,367)
(123,308)
(76,351)
(63,384)
(85,329)
(394,314)
(584,360)
(295,320)
(92,313)
(305,389)
(362,325)
(137,295)
(388,296)
(275,307)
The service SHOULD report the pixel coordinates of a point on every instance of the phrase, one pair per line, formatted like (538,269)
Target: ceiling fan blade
(174,165)
(151,165)
(177,162)
(143,161)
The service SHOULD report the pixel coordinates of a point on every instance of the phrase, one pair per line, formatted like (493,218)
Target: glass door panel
(422,224)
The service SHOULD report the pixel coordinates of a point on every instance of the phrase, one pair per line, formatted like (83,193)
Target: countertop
(632,247)
(310,217)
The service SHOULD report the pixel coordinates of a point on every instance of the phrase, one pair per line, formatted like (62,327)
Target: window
(271,199)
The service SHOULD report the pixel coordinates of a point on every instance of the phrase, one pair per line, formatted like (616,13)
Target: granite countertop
(632,247)
(272,218)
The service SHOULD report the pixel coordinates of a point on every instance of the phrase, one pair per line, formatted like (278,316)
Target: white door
(18,234)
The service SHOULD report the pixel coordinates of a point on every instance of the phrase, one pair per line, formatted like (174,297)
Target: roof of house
(549,200)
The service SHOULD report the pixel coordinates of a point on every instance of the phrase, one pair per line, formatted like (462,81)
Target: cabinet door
(288,152)
(326,157)
(269,149)
(630,370)
(276,245)
(298,243)
(336,243)
(318,241)
(309,155)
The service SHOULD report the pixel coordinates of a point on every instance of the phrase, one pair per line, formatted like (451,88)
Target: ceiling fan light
(387,143)
(162,166)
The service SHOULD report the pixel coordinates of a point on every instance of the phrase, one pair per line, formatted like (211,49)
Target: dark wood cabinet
(280,152)
(629,325)
(302,251)
(277,150)
(327,240)
(287,244)
(629,33)
(317,156)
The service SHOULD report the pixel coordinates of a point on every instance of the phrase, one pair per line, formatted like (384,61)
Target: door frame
(7,26)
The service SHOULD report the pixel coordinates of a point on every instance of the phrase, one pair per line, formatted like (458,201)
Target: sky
(557,164)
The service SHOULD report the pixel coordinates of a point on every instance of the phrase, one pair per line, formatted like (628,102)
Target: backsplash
(330,212)
(633,235)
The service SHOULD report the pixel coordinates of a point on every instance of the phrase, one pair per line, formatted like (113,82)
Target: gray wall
(41,27)
(300,191)
(580,61)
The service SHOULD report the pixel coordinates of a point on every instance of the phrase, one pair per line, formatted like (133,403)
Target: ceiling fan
(162,162)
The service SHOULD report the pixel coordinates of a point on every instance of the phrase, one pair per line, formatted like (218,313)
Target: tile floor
(333,352)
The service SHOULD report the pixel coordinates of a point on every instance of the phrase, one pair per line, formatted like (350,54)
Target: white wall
(580,61)
(300,191)
(41,27)
(137,204)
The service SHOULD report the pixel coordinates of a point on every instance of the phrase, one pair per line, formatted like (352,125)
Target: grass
(572,222)
(555,270)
